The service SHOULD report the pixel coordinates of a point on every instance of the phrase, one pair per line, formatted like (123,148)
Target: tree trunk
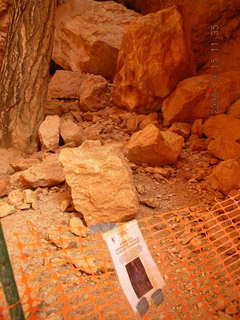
(24,72)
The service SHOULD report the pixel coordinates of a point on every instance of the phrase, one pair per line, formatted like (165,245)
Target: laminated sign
(138,274)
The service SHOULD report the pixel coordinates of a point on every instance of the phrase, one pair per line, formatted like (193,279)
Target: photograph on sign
(137,272)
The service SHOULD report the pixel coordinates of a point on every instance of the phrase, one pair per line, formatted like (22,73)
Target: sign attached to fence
(137,272)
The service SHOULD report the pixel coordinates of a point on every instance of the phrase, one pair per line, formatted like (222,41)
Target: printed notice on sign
(137,272)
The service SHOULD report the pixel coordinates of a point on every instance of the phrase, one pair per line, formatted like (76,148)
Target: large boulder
(204,18)
(154,147)
(101,183)
(154,56)
(88,35)
(226,176)
(195,97)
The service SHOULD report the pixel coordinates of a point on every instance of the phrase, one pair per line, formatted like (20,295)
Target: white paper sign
(138,274)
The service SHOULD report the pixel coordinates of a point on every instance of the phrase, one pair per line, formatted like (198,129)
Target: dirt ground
(43,250)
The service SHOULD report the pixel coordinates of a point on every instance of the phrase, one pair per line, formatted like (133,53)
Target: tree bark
(24,72)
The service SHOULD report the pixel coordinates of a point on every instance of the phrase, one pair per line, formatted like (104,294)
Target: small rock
(224,148)
(24,163)
(16,199)
(154,147)
(165,172)
(132,123)
(140,188)
(225,176)
(197,144)
(77,227)
(197,128)
(94,93)
(6,209)
(4,186)
(71,132)
(151,118)
(92,133)
(181,128)
(151,202)
(47,173)
(49,132)
(222,125)
(29,197)
(65,84)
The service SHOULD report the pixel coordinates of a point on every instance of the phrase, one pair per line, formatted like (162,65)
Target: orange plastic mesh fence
(197,251)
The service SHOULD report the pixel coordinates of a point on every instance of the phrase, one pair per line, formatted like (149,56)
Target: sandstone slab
(226,176)
(153,58)
(49,132)
(200,97)
(46,174)
(94,93)
(88,35)
(154,147)
(101,183)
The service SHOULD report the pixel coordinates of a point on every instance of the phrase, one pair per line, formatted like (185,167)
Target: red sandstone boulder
(154,147)
(224,148)
(101,183)
(65,84)
(153,58)
(222,125)
(88,35)
(226,176)
(209,22)
(195,97)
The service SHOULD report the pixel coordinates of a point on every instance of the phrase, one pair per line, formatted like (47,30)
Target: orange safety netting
(197,251)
